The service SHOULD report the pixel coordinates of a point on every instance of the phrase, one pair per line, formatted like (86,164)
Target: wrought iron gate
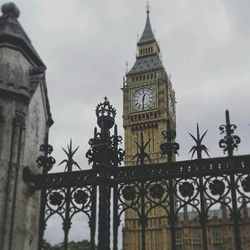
(199,184)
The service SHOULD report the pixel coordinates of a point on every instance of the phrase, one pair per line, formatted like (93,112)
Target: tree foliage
(73,245)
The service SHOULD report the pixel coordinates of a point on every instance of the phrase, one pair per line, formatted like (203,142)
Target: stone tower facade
(148,101)
(25,119)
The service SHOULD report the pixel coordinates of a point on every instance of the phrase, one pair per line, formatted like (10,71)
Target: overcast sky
(85,44)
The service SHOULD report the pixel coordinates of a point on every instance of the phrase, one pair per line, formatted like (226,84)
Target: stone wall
(24,124)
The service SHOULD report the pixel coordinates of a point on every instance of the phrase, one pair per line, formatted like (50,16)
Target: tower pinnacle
(147,35)
(148,50)
(10,8)
(148,8)
(12,32)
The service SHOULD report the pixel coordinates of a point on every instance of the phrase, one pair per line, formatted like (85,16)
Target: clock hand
(143,99)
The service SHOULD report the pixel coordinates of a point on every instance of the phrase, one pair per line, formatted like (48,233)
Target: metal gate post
(46,162)
(104,154)
(170,148)
(230,143)
(104,215)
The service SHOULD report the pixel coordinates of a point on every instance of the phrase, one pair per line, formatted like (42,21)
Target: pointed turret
(148,51)
(25,119)
(18,55)
(147,35)
(12,32)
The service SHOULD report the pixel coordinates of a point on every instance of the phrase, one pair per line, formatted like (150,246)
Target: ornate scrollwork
(230,141)
(218,191)
(187,193)
(156,196)
(171,187)
(129,193)
(186,189)
(55,198)
(105,113)
(81,200)
(67,202)
(103,150)
(103,147)
(55,203)
(46,149)
(246,184)
(81,197)
(217,187)
(156,191)
(242,184)
(45,161)
(170,147)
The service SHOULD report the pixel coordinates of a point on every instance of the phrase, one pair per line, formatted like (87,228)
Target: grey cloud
(85,44)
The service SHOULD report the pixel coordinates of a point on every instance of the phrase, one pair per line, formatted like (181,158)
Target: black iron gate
(199,184)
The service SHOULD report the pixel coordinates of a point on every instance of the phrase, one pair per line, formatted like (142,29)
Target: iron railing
(198,184)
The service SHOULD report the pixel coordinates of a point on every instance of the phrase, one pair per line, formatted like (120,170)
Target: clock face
(143,99)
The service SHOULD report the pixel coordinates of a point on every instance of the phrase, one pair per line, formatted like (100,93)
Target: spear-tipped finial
(141,155)
(198,148)
(70,162)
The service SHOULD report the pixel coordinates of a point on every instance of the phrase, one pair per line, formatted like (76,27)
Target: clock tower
(148,98)
(148,102)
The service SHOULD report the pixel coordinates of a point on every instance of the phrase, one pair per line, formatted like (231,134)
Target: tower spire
(148,50)
(147,35)
(148,8)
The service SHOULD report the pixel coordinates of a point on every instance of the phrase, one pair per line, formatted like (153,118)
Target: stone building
(148,98)
(25,119)
(148,102)
(219,230)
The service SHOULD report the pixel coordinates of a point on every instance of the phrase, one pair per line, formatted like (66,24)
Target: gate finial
(198,147)
(142,155)
(170,147)
(70,161)
(104,146)
(105,115)
(46,161)
(230,141)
